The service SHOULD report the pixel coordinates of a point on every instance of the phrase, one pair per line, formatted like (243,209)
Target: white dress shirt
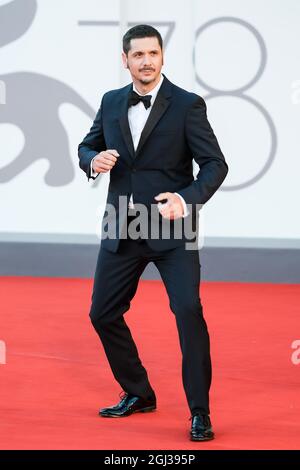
(137,117)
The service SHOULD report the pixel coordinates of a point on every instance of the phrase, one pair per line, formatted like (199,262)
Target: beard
(146,81)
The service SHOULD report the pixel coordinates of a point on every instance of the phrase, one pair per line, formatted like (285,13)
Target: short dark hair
(140,31)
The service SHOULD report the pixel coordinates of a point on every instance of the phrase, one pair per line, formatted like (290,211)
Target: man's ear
(124,59)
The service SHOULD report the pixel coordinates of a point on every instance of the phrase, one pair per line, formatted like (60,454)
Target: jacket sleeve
(206,152)
(92,144)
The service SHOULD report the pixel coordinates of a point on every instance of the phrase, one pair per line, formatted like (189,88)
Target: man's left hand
(172,208)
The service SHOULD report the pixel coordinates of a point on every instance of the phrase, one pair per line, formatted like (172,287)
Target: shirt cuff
(185,209)
(92,172)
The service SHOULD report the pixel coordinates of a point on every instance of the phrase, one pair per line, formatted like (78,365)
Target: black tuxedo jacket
(176,132)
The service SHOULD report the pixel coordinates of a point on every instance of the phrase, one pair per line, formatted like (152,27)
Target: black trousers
(115,284)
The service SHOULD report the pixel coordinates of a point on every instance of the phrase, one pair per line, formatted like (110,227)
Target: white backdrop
(242,57)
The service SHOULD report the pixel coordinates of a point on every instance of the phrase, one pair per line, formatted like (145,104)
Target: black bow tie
(134,99)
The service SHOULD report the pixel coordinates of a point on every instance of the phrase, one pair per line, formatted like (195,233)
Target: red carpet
(56,376)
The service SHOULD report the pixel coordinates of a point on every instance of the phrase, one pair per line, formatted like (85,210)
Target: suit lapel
(123,120)
(160,106)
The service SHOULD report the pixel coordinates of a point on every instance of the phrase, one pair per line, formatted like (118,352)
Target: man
(146,135)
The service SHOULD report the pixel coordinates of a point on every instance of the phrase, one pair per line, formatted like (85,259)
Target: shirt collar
(152,92)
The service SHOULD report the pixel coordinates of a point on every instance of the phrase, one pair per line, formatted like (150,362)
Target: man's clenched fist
(105,161)
(172,208)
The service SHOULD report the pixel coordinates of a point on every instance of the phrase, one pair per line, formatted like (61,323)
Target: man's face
(144,59)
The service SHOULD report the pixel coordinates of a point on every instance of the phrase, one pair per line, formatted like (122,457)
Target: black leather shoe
(128,405)
(201,429)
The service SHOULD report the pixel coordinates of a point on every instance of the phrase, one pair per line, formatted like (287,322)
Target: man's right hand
(105,161)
